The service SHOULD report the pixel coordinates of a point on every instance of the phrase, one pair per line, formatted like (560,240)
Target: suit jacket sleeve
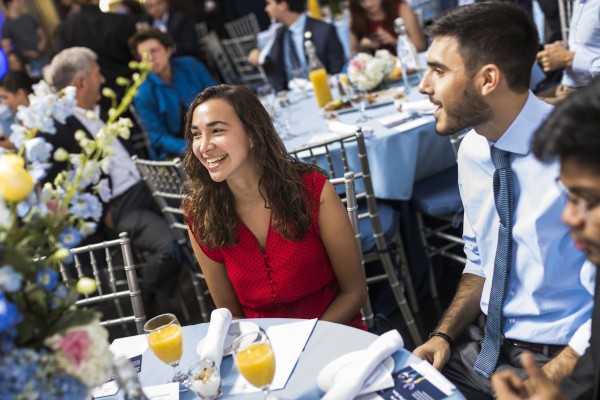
(184,34)
(335,58)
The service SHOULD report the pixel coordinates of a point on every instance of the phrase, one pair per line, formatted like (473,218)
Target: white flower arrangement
(366,72)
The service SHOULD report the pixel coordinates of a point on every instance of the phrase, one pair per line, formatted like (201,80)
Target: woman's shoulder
(314,181)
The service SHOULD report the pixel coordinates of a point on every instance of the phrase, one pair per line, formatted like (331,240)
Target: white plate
(236,329)
(335,368)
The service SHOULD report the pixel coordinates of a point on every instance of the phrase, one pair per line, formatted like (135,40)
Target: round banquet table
(327,342)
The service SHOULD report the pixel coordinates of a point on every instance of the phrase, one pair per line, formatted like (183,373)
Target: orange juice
(318,77)
(257,364)
(167,343)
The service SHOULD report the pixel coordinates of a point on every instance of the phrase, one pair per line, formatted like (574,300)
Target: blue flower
(9,314)
(37,170)
(10,280)
(104,191)
(86,206)
(69,238)
(37,150)
(61,291)
(47,278)
(23,208)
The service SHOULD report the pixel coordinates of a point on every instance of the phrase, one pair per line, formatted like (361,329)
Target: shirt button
(512,320)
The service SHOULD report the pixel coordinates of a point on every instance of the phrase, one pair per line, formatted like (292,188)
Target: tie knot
(500,158)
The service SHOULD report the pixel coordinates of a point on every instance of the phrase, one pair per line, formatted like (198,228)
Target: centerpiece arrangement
(367,72)
(49,348)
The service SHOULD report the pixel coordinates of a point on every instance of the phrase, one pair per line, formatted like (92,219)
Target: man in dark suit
(571,135)
(132,208)
(176,23)
(286,58)
(104,33)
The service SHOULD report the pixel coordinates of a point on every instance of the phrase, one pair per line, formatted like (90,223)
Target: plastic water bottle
(405,51)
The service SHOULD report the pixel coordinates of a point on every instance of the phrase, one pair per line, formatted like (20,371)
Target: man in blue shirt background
(163,99)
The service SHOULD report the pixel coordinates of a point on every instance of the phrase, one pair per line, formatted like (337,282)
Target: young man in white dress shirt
(479,68)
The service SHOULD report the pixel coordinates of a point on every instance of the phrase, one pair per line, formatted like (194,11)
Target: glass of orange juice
(164,336)
(255,360)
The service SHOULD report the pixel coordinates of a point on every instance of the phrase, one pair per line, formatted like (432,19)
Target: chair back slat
(166,180)
(244,26)
(237,49)
(217,57)
(352,208)
(338,156)
(109,291)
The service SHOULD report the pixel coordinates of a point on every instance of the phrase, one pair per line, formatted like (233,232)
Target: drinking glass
(164,336)
(255,360)
(283,115)
(358,98)
(266,95)
(205,379)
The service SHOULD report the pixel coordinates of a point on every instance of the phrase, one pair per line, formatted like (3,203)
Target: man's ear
(488,78)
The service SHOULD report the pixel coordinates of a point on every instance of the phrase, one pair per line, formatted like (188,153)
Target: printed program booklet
(418,382)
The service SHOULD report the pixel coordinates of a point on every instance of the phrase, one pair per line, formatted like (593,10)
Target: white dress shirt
(584,40)
(123,172)
(550,290)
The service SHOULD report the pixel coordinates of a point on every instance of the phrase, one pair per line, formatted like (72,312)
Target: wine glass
(266,95)
(358,98)
(283,115)
(205,379)
(300,76)
(255,360)
(164,337)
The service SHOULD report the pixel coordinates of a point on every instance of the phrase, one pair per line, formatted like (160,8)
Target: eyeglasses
(583,206)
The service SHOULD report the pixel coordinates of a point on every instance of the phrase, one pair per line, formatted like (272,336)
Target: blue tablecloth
(397,158)
(327,342)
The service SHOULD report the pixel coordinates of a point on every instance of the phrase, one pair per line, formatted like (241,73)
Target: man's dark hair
(297,6)
(163,38)
(494,32)
(572,131)
(15,80)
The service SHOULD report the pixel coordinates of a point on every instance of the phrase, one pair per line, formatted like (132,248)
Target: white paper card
(434,376)
(288,342)
(413,123)
(167,391)
(129,346)
(108,389)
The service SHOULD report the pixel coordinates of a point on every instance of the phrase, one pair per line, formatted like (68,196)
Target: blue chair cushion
(438,195)
(389,219)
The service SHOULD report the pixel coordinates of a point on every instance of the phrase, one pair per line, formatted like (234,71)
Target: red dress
(374,25)
(290,279)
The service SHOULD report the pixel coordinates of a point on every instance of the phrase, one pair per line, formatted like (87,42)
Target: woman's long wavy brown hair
(359,25)
(211,205)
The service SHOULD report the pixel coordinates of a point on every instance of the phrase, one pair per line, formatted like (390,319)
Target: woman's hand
(385,38)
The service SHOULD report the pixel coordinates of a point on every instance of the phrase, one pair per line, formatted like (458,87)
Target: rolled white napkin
(354,378)
(344,129)
(220,319)
(300,85)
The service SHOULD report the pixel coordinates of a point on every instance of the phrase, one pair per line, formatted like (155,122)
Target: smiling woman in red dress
(270,233)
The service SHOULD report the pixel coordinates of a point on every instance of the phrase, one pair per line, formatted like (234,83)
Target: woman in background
(270,233)
(372,25)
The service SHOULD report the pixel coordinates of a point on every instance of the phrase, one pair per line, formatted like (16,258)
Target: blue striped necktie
(504,199)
